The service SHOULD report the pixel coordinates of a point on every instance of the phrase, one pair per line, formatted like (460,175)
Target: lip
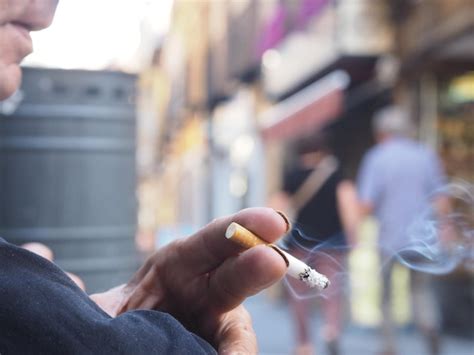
(22,30)
(22,40)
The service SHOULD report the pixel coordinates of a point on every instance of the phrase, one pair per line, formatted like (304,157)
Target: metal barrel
(67,171)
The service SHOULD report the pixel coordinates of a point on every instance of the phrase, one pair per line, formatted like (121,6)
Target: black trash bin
(67,171)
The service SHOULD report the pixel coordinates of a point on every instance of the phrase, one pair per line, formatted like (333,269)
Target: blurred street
(138,122)
(272,323)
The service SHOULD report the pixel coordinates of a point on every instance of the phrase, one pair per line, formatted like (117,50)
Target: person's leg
(388,326)
(300,306)
(425,310)
(331,263)
(300,309)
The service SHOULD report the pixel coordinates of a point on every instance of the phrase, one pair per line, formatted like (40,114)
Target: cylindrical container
(67,171)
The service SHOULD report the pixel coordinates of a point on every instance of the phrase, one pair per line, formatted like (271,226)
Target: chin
(10,80)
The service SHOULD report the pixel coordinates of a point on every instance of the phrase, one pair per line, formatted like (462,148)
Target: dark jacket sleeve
(43,311)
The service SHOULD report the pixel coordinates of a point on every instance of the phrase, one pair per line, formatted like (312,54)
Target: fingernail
(285,218)
(274,247)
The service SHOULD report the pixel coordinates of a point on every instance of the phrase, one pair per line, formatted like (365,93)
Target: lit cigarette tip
(314,279)
(296,268)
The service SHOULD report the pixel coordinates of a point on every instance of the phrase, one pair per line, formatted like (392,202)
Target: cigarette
(295,267)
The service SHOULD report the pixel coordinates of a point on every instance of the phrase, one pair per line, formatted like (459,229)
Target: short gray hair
(392,120)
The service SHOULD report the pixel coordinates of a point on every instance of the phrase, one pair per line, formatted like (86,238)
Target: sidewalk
(273,325)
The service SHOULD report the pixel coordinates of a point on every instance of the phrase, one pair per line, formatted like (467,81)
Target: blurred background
(138,122)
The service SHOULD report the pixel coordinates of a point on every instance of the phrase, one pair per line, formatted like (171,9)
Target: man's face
(17,19)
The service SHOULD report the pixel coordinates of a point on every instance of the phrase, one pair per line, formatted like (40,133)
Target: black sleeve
(43,311)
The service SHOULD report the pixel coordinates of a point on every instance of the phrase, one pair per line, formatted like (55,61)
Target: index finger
(208,248)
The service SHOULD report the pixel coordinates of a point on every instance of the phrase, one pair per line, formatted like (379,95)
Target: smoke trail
(438,244)
(430,244)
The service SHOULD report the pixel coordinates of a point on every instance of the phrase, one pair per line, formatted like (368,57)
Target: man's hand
(203,279)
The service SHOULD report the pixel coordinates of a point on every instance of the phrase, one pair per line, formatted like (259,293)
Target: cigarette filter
(296,268)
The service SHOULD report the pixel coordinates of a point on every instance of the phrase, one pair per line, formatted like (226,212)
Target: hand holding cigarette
(296,268)
(203,279)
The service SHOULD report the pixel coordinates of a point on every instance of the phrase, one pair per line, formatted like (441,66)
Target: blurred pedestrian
(45,252)
(320,200)
(395,181)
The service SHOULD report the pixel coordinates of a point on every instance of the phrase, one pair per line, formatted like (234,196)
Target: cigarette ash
(314,279)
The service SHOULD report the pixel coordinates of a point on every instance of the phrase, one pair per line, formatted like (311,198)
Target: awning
(306,111)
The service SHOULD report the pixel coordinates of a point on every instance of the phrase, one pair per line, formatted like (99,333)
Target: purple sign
(280,24)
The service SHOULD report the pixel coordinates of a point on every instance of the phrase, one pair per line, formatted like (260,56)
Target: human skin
(17,19)
(201,280)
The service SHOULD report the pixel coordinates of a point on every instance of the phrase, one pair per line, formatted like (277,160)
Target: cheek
(10,79)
